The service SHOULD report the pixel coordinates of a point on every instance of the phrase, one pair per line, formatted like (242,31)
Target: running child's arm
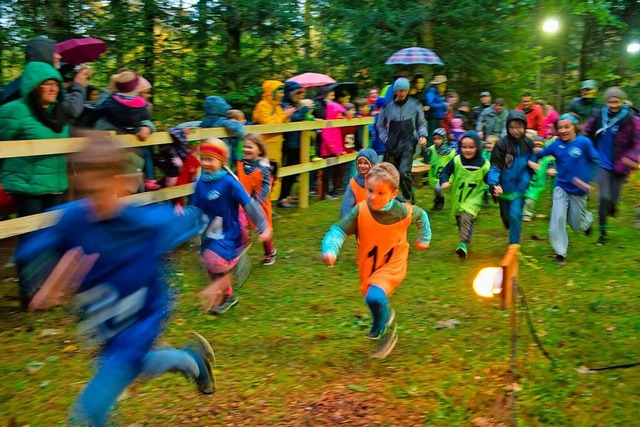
(446,174)
(176,227)
(337,234)
(253,210)
(265,185)
(420,218)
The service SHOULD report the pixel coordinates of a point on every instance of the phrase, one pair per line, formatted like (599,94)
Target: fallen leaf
(34,366)
(447,324)
(610,328)
(356,387)
(584,370)
(49,332)
(70,348)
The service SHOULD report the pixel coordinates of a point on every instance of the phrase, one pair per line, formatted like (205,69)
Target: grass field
(293,351)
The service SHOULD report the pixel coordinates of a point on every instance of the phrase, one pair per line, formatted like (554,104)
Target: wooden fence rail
(18,226)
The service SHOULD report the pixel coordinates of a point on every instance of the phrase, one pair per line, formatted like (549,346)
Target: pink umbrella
(78,51)
(312,79)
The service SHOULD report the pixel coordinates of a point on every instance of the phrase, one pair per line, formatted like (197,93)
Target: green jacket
(34,175)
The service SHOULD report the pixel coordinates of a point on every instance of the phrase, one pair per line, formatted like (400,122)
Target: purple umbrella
(414,55)
(78,51)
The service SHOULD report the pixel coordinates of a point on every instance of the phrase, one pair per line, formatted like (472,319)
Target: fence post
(365,136)
(305,145)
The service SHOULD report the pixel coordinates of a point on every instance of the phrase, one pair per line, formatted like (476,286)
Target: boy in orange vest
(380,224)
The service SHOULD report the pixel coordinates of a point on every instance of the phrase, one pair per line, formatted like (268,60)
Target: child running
(220,195)
(577,163)
(254,173)
(537,184)
(356,191)
(380,224)
(438,156)
(469,171)
(123,296)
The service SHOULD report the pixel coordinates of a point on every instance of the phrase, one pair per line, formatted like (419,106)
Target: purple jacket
(627,139)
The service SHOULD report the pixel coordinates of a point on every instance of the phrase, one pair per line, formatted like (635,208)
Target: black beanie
(40,49)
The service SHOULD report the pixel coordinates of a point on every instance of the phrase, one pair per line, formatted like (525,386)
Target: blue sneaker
(202,353)
(376,333)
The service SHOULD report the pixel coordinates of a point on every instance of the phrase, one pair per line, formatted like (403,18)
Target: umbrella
(312,79)
(350,87)
(77,51)
(414,55)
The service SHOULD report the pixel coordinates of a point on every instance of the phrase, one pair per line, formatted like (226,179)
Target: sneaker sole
(386,347)
(210,360)
(217,313)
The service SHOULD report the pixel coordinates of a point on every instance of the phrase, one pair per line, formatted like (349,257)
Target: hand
(421,246)
(329,259)
(481,135)
(580,183)
(497,190)
(176,161)
(289,111)
(551,172)
(445,185)
(178,210)
(630,163)
(426,108)
(143,133)
(423,141)
(83,75)
(264,237)
(533,165)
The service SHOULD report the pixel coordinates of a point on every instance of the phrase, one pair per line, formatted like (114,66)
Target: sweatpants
(465,223)
(567,208)
(610,185)
(404,162)
(511,215)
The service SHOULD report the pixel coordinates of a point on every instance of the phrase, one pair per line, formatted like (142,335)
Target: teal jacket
(34,175)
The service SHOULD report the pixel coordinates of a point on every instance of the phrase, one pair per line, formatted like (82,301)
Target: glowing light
(551,26)
(633,47)
(488,282)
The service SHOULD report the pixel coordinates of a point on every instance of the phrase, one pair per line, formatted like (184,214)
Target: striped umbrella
(414,55)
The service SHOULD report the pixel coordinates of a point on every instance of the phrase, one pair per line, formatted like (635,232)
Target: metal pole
(514,346)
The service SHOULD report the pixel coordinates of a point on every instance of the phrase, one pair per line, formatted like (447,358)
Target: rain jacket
(34,175)
(400,124)
(331,144)
(509,159)
(215,110)
(269,111)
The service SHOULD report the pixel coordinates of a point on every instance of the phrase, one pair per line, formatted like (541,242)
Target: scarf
(213,176)
(613,122)
(55,117)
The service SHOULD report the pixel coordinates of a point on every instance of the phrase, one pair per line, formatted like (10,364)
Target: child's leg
(505,206)
(558,222)
(605,198)
(515,219)
(147,169)
(580,219)
(378,303)
(528,208)
(465,225)
(220,288)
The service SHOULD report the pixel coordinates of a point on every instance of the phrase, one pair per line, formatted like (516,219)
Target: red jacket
(535,118)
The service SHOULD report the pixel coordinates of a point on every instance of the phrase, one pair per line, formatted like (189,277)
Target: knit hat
(438,80)
(440,131)
(40,49)
(456,123)
(589,84)
(401,84)
(126,81)
(483,94)
(615,92)
(216,148)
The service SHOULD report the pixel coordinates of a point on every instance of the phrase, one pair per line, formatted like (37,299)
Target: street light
(551,26)
(634,47)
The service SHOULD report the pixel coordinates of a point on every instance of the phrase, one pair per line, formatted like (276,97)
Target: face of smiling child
(363,165)
(379,193)
(566,130)
(250,150)
(468,148)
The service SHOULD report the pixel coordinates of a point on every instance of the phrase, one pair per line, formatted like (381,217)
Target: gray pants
(567,207)
(465,225)
(609,185)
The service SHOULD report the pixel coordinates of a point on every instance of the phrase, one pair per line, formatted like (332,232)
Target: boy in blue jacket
(123,296)
(510,174)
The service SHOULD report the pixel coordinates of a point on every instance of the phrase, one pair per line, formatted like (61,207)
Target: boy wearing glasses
(509,174)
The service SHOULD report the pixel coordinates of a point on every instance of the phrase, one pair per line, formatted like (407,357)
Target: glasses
(49,84)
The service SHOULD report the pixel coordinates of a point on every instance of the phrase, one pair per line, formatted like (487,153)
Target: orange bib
(382,250)
(360,193)
(252,184)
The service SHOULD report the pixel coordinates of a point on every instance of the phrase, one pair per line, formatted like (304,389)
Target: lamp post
(502,281)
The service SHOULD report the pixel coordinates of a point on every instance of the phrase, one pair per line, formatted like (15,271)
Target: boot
(438,203)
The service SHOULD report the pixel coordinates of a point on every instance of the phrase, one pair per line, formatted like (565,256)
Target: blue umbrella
(414,55)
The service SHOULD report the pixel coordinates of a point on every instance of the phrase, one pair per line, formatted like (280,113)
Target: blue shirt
(605,148)
(574,159)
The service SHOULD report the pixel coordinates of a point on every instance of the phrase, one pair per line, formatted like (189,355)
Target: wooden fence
(17,226)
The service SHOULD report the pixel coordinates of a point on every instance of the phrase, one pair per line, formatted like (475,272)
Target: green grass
(294,352)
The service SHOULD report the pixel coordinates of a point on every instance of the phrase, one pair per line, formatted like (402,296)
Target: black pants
(29,204)
(290,157)
(404,162)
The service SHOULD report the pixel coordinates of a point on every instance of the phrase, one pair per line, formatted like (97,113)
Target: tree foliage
(190,50)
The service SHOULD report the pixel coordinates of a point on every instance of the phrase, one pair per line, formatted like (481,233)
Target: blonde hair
(385,172)
(259,141)
(235,114)
(492,139)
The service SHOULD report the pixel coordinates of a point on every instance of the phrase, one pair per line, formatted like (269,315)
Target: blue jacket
(509,160)
(436,103)
(292,139)
(574,159)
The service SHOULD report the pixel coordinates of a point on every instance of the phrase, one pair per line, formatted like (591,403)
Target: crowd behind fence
(8,149)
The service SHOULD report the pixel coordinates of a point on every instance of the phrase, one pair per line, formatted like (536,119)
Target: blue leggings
(378,303)
(511,214)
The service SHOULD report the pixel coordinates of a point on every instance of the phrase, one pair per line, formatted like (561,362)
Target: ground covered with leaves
(293,352)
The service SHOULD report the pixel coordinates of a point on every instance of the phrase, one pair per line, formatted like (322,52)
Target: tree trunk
(425,32)
(200,45)
(585,49)
(150,11)
(57,13)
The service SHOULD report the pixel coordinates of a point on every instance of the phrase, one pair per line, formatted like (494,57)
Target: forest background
(189,50)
